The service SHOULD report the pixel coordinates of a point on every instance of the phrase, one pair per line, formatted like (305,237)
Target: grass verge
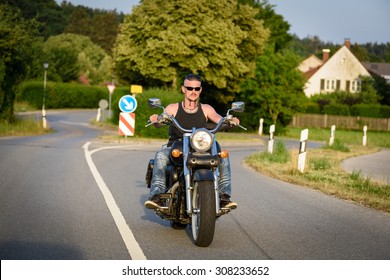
(324,173)
(22,127)
(351,137)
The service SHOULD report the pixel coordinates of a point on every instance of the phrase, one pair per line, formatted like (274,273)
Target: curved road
(374,166)
(69,196)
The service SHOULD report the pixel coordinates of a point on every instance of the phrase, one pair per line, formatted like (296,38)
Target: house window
(347,86)
(333,84)
(359,85)
(327,85)
(338,82)
(356,85)
(322,84)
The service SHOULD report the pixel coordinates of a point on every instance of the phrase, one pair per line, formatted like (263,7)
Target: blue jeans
(161,161)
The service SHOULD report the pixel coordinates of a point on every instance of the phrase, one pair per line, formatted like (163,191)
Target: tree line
(241,48)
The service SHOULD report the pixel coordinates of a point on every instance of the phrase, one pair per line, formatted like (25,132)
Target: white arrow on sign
(128,106)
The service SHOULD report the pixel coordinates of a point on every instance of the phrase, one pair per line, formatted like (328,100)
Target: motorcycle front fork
(189,192)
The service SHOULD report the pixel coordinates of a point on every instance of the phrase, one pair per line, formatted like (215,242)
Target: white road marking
(74,123)
(132,245)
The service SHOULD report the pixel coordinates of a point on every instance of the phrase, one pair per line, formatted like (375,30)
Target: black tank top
(187,121)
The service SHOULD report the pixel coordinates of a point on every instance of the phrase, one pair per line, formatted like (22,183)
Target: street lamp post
(44,123)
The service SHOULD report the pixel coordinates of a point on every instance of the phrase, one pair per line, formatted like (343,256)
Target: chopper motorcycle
(192,177)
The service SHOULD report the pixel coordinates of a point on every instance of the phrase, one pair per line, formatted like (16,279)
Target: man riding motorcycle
(189,113)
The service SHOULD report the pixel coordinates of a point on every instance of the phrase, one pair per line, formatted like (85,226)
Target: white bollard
(332,133)
(271,139)
(99,115)
(365,135)
(302,150)
(261,126)
(44,122)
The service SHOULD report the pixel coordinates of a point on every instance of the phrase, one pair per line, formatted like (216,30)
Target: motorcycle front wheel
(203,213)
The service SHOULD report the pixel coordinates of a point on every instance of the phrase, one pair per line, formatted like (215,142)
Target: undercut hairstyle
(193,77)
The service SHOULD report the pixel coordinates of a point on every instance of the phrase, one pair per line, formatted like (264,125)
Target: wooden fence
(347,122)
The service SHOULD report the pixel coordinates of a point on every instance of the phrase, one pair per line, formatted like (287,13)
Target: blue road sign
(127,104)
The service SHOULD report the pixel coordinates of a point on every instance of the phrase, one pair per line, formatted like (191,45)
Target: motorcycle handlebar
(165,118)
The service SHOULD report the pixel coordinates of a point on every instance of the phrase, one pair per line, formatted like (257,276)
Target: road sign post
(127,104)
(271,139)
(365,135)
(302,150)
(103,105)
(261,121)
(332,133)
(111,88)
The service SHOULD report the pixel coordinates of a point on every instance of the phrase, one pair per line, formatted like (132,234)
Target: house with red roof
(341,71)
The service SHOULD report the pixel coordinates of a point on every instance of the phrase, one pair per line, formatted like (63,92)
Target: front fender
(203,175)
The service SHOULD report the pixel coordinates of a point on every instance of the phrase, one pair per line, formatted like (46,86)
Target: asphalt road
(67,195)
(374,166)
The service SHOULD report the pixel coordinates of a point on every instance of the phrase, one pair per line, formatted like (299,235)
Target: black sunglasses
(193,88)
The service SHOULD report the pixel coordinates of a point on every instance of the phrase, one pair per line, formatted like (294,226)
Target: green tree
(48,13)
(279,36)
(17,44)
(105,30)
(368,93)
(359,52)
(383,89)
(79,22)
(99,25)
(164,40)
(71,56)
(63,64)
(276,91)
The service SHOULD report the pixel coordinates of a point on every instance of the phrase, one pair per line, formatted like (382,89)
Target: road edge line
(131,244)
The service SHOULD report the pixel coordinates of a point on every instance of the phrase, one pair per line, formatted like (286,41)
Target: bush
(61,95)
(313,108)
(336,109)
(370,110)
(385,111)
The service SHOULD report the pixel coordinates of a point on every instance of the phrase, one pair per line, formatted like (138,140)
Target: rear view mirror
(154,103)
(238,106)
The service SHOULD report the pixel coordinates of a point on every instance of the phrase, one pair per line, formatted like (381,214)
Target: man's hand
(236,120)
(153,118)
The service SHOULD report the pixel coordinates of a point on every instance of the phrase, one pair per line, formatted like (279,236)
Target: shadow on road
(20,250)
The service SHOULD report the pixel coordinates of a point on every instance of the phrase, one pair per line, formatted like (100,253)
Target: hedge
(337,109)
(68,95)
(373,111)
(61,95)
(362,110)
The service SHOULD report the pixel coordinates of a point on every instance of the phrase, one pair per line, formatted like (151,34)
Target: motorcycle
(192,176)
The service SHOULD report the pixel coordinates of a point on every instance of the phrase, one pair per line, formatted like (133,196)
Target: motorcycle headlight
(201,140)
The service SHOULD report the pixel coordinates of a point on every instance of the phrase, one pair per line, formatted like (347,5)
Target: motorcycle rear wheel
(203,216)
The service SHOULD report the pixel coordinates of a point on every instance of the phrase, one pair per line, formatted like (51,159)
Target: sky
(362,21)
